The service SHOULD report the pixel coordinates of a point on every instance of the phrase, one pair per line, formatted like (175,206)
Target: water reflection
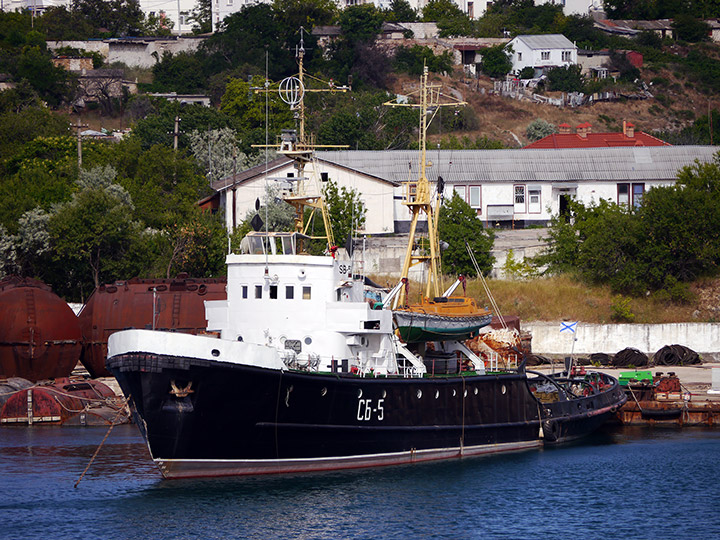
(581,491)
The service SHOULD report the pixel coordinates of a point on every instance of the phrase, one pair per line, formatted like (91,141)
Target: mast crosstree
(418,197)
(301,148)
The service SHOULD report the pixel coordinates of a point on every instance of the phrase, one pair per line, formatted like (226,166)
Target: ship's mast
(301,149)
(418,197)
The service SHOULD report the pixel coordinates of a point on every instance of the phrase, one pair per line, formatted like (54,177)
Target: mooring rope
(112,425)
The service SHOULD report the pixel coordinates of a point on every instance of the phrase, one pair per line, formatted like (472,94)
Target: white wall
(523,56)
(612,338)
(375,194)
(136,53)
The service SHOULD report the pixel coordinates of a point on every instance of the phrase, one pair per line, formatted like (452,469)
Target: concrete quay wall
(703,338)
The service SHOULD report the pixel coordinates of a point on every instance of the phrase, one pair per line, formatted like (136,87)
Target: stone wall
(133,52)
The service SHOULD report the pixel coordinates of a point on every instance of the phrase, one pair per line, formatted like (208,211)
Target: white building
(542,52)
(175,10)
(507,188)
(575,7)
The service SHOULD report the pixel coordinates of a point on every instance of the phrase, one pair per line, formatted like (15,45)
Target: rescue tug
(300,373)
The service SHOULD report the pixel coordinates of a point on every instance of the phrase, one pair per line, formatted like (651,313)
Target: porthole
(215,352)
(239,338)
(307,340)
(360,393)
(437,394)
(418,394)
(475,391)
(323,392)
(503,389)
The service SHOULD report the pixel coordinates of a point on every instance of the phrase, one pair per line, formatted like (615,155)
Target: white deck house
(507,188)
(542,52)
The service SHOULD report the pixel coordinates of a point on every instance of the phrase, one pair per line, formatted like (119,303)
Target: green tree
(413,59)
(181,73)
(248,112)
(449,17)
(199,246)
(346,211)
(158,123)
(201,17)
(364,123)
(670,239)
(292,14)
(117,17)
(164,185)
(458,223)
(436,10)
(566,79)
(690,29)
(63,24)
(244,39)
(92,234)
(400,11)
(496,61)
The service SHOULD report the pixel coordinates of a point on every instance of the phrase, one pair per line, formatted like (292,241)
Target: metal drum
(39,333)
(174,304)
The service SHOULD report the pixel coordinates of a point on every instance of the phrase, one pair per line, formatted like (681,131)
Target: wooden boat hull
(416,326)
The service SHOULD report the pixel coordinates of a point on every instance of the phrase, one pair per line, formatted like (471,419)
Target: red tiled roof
(596,140)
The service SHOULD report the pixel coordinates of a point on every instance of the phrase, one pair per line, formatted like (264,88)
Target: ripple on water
(623,483)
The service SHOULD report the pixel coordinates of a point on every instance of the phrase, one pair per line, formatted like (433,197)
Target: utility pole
(78,127)
(176,132)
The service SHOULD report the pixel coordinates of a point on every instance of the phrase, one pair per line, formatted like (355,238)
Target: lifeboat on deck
(440,319)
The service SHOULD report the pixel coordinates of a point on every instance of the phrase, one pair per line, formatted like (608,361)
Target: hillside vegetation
(564,298)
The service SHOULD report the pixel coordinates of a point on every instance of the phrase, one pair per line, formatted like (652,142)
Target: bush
(566,79)
(539,128)
(527,73)
(496,62)
(412,59)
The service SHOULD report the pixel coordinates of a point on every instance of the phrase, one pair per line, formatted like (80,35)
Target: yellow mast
(417,194)
(301,149)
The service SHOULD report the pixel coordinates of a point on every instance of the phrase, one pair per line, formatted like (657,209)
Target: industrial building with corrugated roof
(506,188)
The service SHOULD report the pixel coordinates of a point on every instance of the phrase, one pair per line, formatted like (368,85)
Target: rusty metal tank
(39,333)
(129,304)
(72,402)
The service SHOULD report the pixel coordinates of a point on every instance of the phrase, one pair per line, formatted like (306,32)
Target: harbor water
(621,484)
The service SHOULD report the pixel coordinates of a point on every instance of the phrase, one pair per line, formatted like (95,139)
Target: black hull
(239,419)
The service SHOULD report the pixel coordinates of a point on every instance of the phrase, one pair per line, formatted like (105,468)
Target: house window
(545,55)
(519,198)
(519,56)
(306,293)
(534,200)
(566,56)
(630,194)
(460,190)
(289,292)
(244,291)
(637,194)
(184,17)
(258,291)
(474,196)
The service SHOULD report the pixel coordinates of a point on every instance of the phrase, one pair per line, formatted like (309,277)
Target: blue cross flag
(567,326)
